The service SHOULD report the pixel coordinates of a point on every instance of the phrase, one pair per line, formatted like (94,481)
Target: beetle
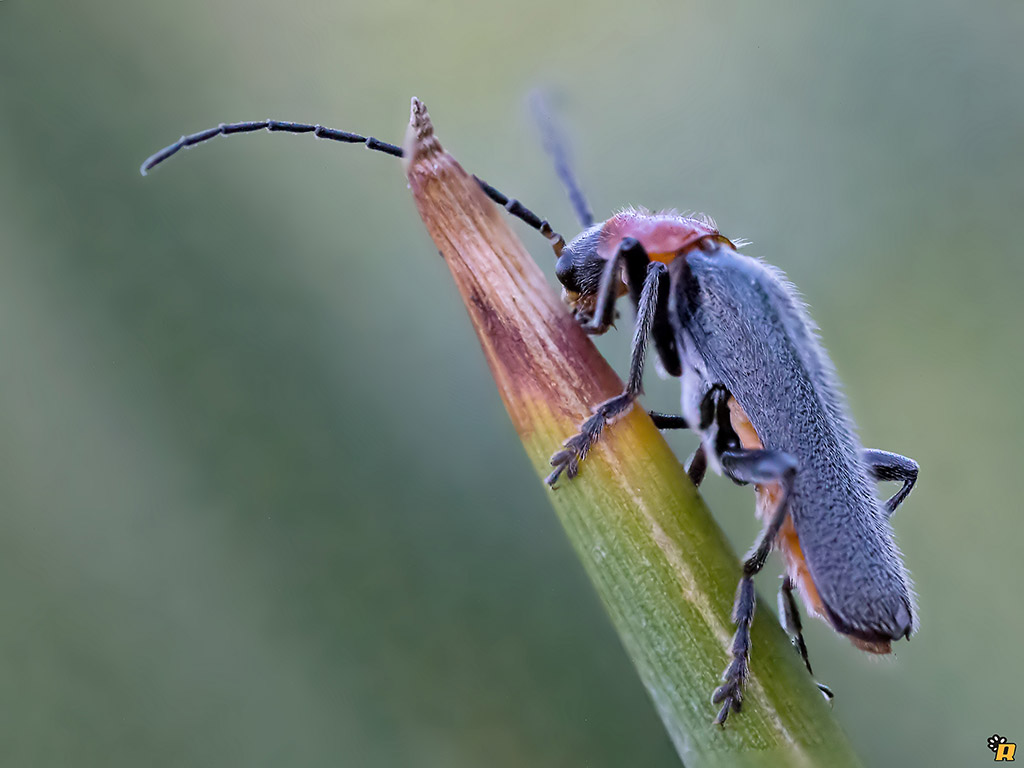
(758,388)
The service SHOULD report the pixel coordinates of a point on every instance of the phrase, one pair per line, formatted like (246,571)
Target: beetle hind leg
(751,466)
(790,615)
(730,693)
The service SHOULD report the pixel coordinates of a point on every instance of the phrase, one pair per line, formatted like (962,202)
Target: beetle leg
(633,255)
(662,334)
(891,466)
(665,341)
(668,420)
(714,408)
(794,628)
(747,466)
(698,466)
(568,460)
(699,461)
(710,412)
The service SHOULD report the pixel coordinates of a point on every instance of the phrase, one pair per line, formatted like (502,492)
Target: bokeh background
(260,503)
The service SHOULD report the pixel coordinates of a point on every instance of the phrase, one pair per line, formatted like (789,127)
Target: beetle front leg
(746,466)
(884,465)
(568,460)
(662,333)
(631,255)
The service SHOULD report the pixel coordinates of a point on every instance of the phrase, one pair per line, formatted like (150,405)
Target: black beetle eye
(565,271)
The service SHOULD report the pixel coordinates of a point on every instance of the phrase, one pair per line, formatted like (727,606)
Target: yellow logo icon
(1004,749)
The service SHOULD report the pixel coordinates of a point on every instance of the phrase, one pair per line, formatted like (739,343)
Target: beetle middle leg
(714,409)
(653,293)
(751,466)
(790,615)
(698,465)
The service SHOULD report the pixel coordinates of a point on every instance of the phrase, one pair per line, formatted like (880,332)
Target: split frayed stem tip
(420,141)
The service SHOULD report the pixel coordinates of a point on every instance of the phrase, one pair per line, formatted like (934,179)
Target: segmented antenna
(227,129)
(521,212)
(556,146)
(513,206)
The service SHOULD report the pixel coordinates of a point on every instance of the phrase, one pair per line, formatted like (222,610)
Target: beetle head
(579,269)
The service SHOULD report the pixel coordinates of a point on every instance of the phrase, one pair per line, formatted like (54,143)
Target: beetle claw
(567,460)
(730,695)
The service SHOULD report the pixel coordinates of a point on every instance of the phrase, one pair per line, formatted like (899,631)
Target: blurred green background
(260,502)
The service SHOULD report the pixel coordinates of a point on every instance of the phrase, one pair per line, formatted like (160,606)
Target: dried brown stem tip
(659,562)
(537,352)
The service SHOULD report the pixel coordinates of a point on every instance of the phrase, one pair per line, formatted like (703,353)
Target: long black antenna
(513,206)
(556,146)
